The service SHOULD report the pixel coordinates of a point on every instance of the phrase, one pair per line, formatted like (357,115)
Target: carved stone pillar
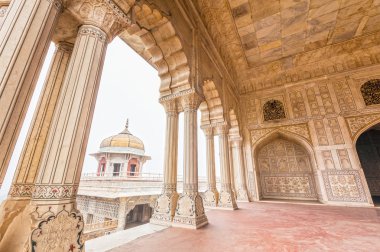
(27,167)
(54,194)
(4,4)
(25,36)
(238,167)
(190,211)
(226,196)
(211,196)
(166,203)
(122,213)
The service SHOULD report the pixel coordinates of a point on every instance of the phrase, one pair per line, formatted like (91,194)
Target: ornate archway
(368,150)
(285,167)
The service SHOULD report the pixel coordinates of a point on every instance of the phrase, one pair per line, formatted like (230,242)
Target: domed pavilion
(121,155)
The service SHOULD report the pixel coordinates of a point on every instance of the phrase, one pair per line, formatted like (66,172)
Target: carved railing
(133,176)
(100,225)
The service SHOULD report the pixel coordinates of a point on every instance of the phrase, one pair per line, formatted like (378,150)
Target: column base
(242,195)
(227,200)
(9,210)
(190,212)
(46,226)
(164,209)
(210,198)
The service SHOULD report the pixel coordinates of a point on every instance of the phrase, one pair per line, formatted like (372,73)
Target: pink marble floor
(272,227)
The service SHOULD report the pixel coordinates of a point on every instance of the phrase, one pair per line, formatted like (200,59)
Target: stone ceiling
(253,33)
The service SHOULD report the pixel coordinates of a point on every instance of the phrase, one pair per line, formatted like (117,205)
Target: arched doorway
(368,149)
(285,171)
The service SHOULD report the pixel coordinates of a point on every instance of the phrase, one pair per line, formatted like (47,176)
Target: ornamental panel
(371,92)
(286,171)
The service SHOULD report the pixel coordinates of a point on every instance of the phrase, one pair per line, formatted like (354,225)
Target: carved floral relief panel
(285,171)
(342,185)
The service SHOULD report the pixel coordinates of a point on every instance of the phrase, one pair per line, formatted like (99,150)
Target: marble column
(190,211)
(166,203)
(27,167)
(122,213)
(53,202)
(211,196)
(239,171)
(25,36)
(226,197)
(4,4)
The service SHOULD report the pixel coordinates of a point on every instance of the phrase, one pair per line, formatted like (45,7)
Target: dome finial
(127,123)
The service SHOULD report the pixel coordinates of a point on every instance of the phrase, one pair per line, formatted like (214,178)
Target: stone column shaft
(190,211)
(25,36)
(211,195)
(28,164)
(166,203)
(61,163)
(226,197)
(238,164)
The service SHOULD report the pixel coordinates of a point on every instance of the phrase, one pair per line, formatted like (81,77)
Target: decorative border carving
(298,129)
(54,191)
(329,175)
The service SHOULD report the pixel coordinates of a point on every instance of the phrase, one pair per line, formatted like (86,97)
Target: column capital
(191,101)
(170,106)
(236,142)
(208,131)
(104,14)
(65,46)
(222,129)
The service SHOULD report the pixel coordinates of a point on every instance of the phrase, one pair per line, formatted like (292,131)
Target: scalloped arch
(154,37)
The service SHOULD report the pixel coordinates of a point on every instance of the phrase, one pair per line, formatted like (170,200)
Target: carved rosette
(190,211)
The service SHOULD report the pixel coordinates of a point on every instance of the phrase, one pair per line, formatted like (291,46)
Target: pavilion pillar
(166,203)
(27,167)
(52,208)
(211,196)
(238,165)
(25,36)
(190,211)
(226,196)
